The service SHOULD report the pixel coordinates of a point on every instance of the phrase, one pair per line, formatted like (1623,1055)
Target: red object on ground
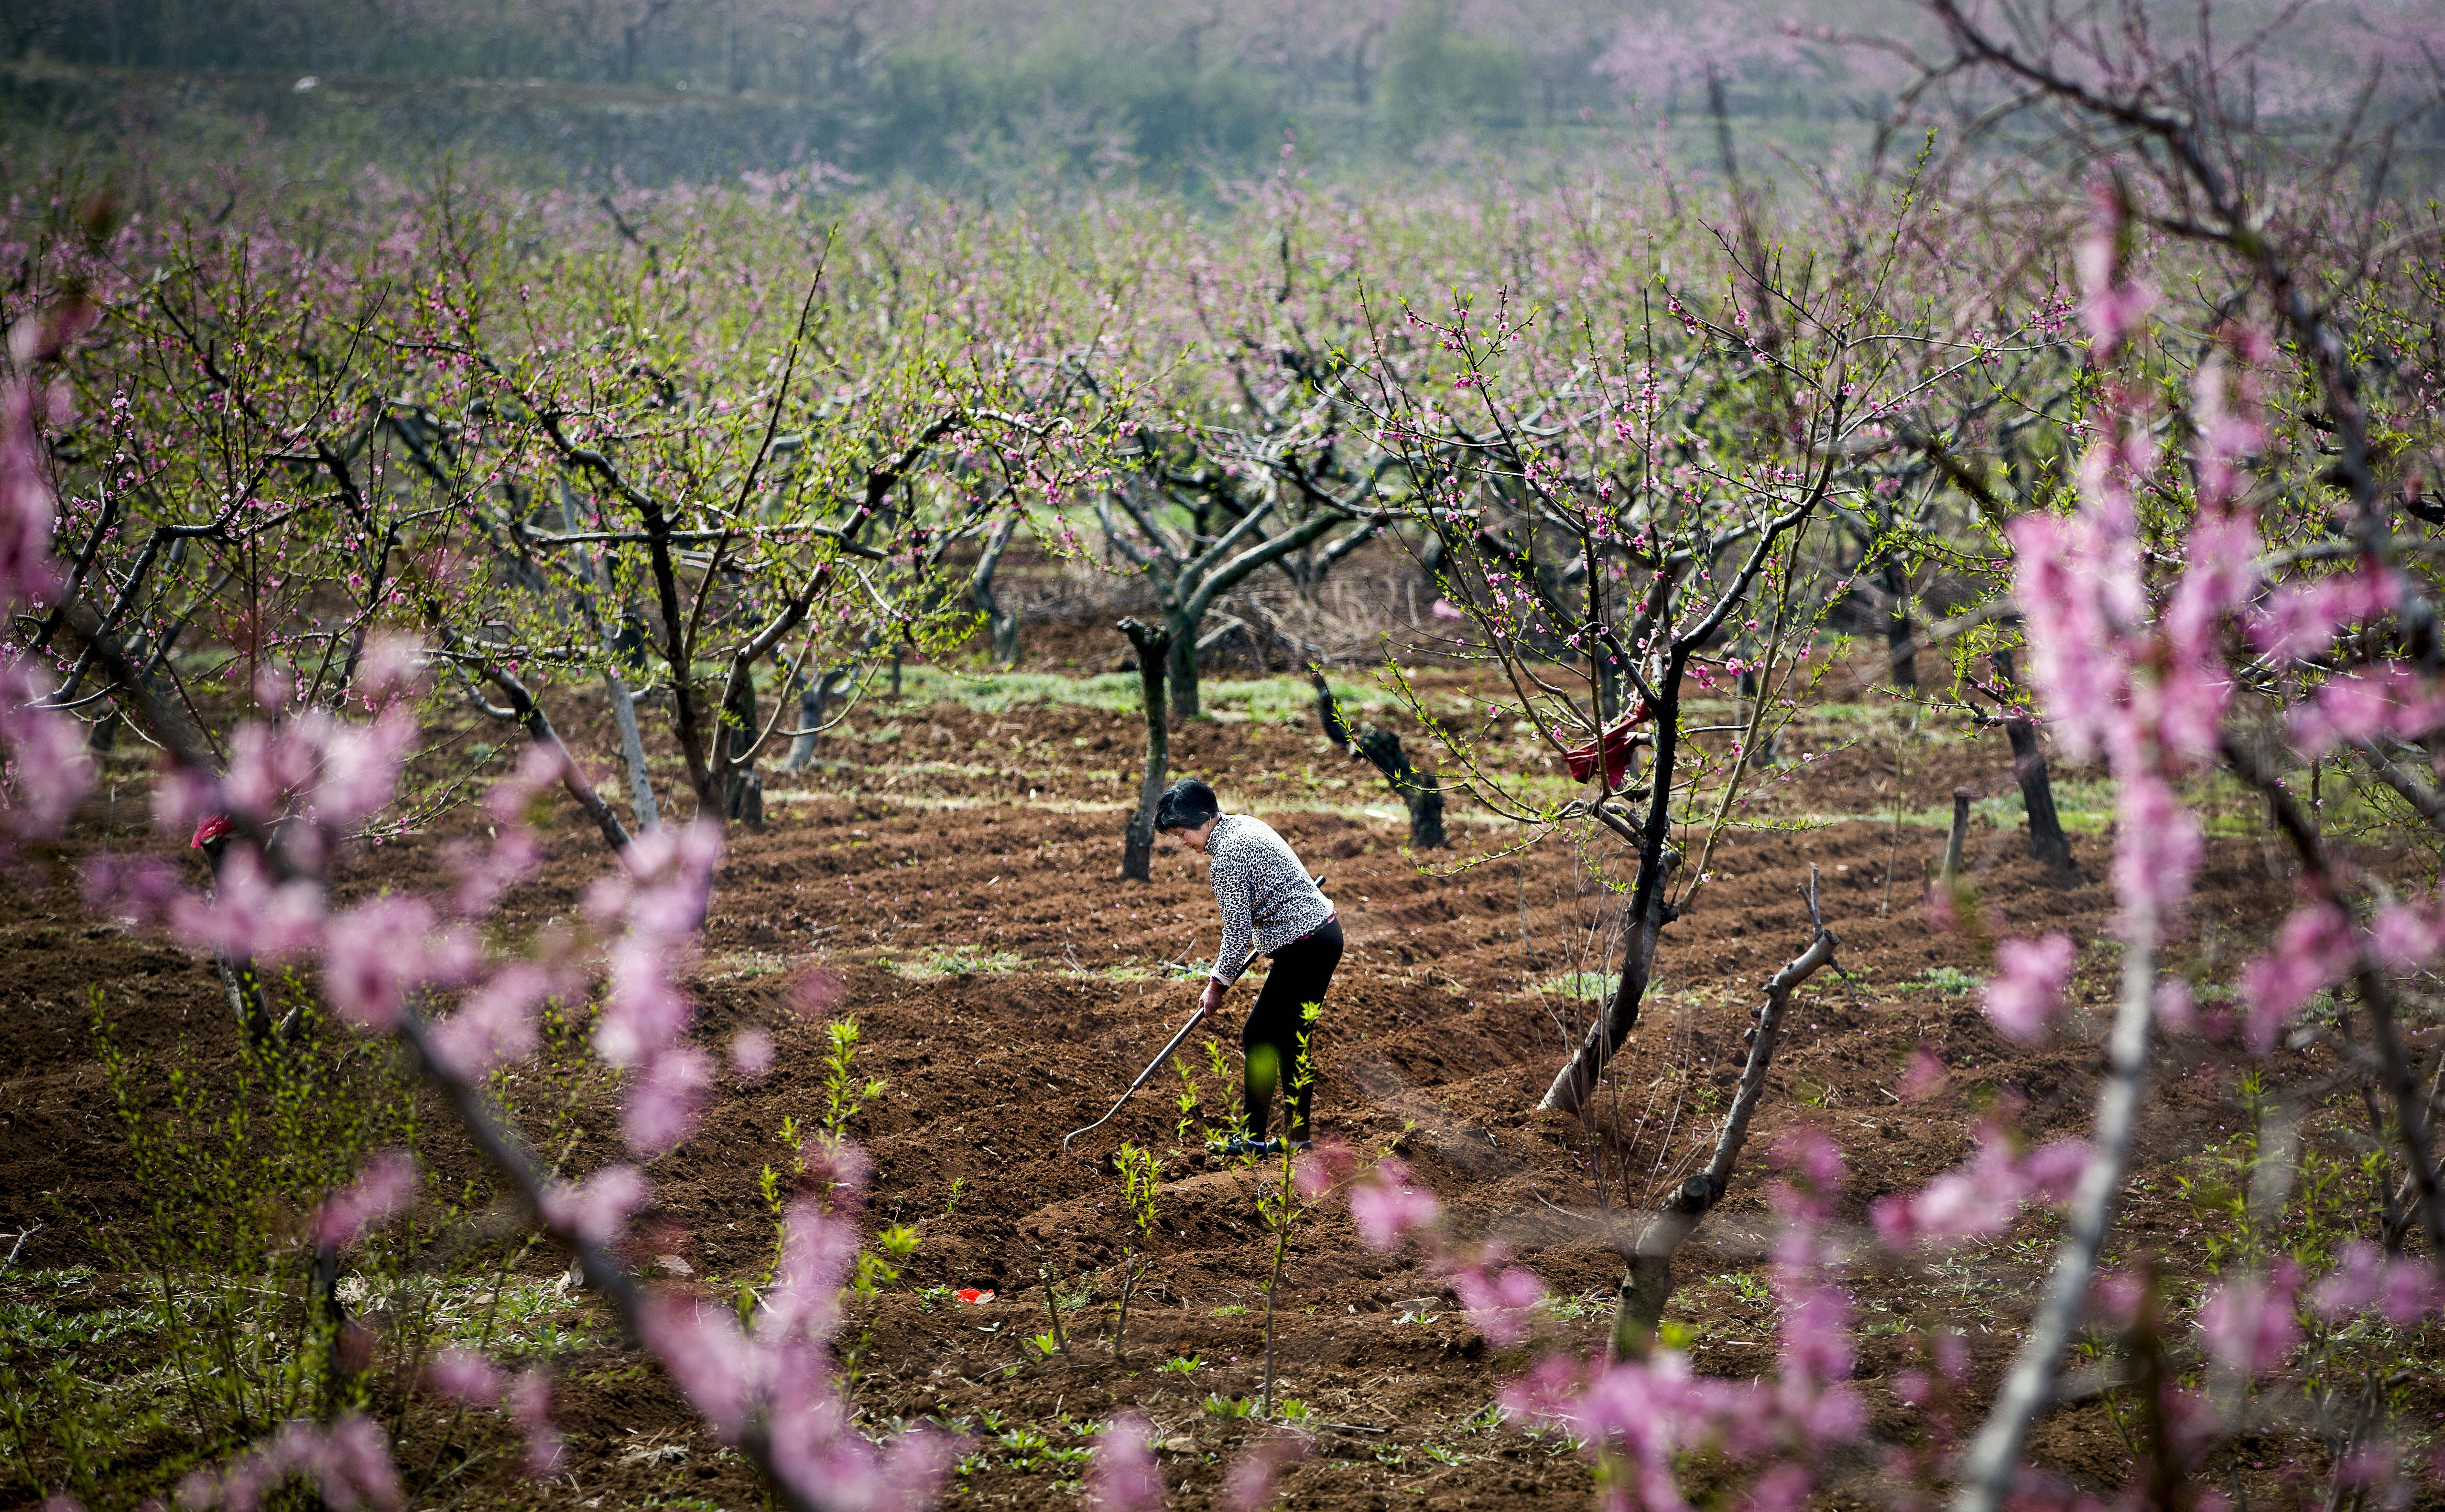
(969,1293)
(1581,759)
(210,828)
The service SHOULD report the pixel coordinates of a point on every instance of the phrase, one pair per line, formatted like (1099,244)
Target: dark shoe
(1241,1145)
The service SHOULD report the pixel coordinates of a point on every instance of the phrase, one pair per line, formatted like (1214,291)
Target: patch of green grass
(1579,986)
(1286,700)
(1590,1305)
(1234,1310)
(959,960)
(1949,980)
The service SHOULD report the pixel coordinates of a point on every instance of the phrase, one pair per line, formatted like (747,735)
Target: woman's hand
(1212,1001)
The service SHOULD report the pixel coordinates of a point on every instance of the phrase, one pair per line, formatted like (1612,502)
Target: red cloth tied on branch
(210,828)
(1581,759)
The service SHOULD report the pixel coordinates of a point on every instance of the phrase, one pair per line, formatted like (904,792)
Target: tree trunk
(2047,840)
(1328,715)
(1001,625)
(1181,643)
(1647,1280)
(1137,845)
(813,699)
(742,788)
(1901,637)
(1419,790)
(1577,1081)
(1959,837)
(633,752)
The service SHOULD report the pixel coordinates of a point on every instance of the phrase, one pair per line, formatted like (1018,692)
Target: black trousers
(1301,972)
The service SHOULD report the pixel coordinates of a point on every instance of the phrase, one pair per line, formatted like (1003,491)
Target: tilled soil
(957,871)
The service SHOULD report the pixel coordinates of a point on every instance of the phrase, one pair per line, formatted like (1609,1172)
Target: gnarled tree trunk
(2047,840)
(1137,844)
(1419,792)
(1576,1080)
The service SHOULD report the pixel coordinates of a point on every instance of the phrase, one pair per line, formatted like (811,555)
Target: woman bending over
(1270,907)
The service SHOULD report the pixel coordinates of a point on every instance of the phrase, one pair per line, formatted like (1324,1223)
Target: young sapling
(1283,1204)
(1141,1173)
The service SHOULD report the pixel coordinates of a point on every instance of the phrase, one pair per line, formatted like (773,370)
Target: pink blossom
(2114,305)
(2053,1168)
(2403,1289)
(1783,1487)
(496,1023)
(817,1250)
(141,887)
(1322,1167)
(2315,946)
(486,871)
(348,1461)
(751,1053)
(597,1208)
(644,1010)
(2175,1009)
(530,1406)
(27,572)
(2057,580)
(372,954)
(2297,623)
(663,1105)
(837,1168)
(2027,991)
(1923,1078)
(1385,1207)
(2406,938)
(387,1184)
(249,916)
(540,769)
(464,1375)
(1443,610)
(2362,706)
(2116,1297)
(2247,1323)
(1498,1300)
(359,763)
(706,1354)
(818,993)
(1981,1196)
(1951,1351)
(50,769)
(2225,413)
(2157,844)
(1248,1484)
(1123,1477)
(391,667)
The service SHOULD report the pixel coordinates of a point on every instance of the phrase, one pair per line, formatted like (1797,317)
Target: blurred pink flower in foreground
(1123,1477)
(2247,1322)
(1386,1208)
(382,1189)
(2028,986)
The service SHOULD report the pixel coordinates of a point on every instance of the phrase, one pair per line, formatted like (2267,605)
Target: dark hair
(1186,805)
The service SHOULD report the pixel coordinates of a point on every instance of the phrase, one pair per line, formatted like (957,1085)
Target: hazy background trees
(1100,87)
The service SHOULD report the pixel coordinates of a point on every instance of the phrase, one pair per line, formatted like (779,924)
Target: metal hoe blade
(1194,1019)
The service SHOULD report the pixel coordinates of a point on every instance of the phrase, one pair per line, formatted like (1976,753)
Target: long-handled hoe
(1152,1066)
